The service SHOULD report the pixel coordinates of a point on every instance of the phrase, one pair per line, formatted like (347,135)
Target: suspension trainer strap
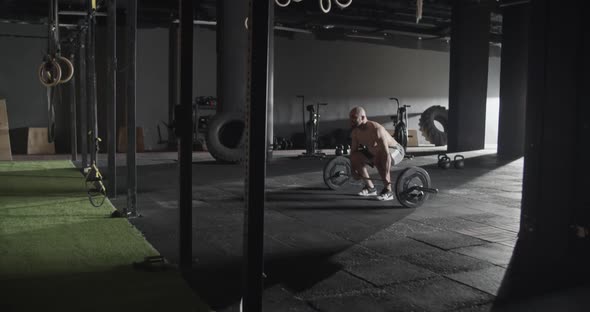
(51,115)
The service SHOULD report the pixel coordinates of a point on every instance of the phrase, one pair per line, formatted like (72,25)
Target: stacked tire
(428,127)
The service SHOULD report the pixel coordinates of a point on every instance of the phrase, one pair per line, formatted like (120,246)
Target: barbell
(412,186)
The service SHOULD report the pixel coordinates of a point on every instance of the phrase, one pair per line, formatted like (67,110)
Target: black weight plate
(412,176)
(338,164)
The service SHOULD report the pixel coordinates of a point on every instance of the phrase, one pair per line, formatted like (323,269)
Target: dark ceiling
(368,19)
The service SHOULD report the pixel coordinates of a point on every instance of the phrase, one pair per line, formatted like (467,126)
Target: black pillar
(82,98)
(112,96)
(73,126)
(131,209)
(513,80)
(232,46)
(468,82)
(256,126)
(185,133)
(552,250)
(91,83)
(172,79)
(271,83)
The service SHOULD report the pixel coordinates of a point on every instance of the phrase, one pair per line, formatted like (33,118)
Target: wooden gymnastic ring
(50,73)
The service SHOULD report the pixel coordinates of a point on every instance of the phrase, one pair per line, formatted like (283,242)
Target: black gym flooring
(330,250)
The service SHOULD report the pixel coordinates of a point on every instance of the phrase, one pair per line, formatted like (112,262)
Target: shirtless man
(381,150)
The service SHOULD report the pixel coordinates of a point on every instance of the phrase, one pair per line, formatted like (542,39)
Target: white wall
(343,74)
(347,74)
(493,103)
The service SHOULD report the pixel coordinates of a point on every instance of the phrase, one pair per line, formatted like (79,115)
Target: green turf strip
(59,253)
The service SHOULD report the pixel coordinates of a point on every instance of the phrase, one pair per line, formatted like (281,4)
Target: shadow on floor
(220,284)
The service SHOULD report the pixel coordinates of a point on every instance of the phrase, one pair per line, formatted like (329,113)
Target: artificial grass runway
(59,253)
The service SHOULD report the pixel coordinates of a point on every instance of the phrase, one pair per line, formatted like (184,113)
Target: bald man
(372,144)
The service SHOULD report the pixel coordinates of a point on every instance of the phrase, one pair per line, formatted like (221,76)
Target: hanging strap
(51,115)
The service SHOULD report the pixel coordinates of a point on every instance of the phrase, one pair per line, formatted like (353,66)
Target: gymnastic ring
(281,4)
(329,6)
(49,73)
(67,69)
(343,5)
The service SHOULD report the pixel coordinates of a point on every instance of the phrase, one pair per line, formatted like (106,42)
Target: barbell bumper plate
(337,172)
(411,185)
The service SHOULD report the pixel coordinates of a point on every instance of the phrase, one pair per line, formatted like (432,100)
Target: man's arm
(383,139)
(354,145)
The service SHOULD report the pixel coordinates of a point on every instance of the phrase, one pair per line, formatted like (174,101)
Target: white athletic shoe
(385,195)
(366,191)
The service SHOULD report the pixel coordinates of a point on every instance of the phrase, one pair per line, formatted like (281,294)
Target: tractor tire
(428,128)
(226,137)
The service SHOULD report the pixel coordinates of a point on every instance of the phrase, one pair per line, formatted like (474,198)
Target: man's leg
(359,170)
(383,164)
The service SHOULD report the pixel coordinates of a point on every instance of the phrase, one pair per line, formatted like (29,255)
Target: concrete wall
(152,77)
(20,59)
(347,74)
(342,74)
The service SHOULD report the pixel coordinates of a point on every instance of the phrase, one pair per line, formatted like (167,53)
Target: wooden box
(122,140)
(412,137)
(31,141)
(5,150)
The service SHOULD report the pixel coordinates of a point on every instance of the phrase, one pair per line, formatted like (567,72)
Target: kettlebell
(339,150)
(460,162)
(346,149)
(444,162)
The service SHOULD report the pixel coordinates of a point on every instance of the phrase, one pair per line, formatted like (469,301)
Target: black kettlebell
(339,150)
(346,149)
(444,162)
(460,162)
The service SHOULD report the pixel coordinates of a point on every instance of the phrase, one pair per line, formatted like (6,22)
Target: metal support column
(271,83)
(82,98)
(185,133)
(513,80)
(172,79)
(232,45)
(131,209)
(73,126)
(256,125)
(112,97)
(468,79)
(91,82)
(551,253)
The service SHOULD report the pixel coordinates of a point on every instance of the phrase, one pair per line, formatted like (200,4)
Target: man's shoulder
(374,124)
